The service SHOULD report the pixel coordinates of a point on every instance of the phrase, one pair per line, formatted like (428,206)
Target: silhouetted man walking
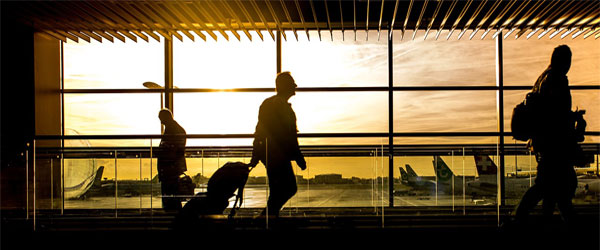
(171,160)
(554,141)
(276,143)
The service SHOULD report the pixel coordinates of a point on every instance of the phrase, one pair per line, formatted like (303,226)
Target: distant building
(329,179)
(300,179)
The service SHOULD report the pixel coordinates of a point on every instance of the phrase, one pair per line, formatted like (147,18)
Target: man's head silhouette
(285,85)
(165,116)
(561,59)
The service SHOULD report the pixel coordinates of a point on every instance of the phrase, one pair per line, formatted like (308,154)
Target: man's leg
(530,199)
(565,198)
(169,188)
(282,184)
(548,206)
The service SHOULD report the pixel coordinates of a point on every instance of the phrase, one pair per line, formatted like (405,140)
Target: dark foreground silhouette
(276,144)
(554,140)
(171,162)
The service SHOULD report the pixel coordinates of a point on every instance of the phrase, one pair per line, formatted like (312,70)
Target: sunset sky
(314,63)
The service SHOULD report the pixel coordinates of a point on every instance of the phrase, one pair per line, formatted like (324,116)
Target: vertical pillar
(48,103)
(391,117)
(500,116)
(278,41)
(169,74)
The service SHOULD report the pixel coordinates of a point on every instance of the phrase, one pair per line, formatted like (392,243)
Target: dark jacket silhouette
(171,159)
(277,125)
(276,144)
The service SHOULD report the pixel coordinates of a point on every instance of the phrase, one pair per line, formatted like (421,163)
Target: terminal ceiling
(232,19)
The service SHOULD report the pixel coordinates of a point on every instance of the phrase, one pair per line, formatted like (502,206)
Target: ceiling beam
(406,19)
(262,18)
(302,18)
(420,18)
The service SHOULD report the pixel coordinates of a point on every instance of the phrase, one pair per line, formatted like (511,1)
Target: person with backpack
(171,162)
(276,144)
(553,139)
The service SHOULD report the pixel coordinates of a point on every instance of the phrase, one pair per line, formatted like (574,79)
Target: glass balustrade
(82,179)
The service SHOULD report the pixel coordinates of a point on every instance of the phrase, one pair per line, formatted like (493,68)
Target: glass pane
(342,182)
(519,175)
(521,171)
(225,64)
(444,179)
(445,111)
(114,65)
(588,100)
(93,179)
(588,183)
(526,59)
(338,63)
(428,62)
(89,179)
(46,171)
(111,114)
(223,113)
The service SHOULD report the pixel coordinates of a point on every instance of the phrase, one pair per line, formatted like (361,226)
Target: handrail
(318,89)
(301,135)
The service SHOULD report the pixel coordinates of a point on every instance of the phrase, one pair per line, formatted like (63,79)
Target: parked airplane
(516,186)
(79,174)
(410,178)
(446,179)
(486,183)
(123,188)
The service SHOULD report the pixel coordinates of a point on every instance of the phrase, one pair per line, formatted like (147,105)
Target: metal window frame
(169,90)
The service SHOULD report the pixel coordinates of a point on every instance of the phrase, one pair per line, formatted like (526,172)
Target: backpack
(524,121)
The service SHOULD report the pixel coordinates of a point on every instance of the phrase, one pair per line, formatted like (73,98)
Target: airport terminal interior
(403,110)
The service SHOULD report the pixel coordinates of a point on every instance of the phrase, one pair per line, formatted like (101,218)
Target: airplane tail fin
(485,165)
(443,172)
(411,171)
(403,174)
(98,178)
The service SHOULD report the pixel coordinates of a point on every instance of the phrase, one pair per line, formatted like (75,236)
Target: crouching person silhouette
(276,144)
(171,160)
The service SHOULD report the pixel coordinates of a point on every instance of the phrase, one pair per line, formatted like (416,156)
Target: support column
(169,74)
(500,117)
(278,41)
(391,117)
(47,65)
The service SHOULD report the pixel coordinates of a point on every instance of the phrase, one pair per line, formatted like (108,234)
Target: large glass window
(116,65)
(339,63)
(445,111)
(225,64)
(316,112)
(112,114)
(452,62)
(526,59)
(335,177)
